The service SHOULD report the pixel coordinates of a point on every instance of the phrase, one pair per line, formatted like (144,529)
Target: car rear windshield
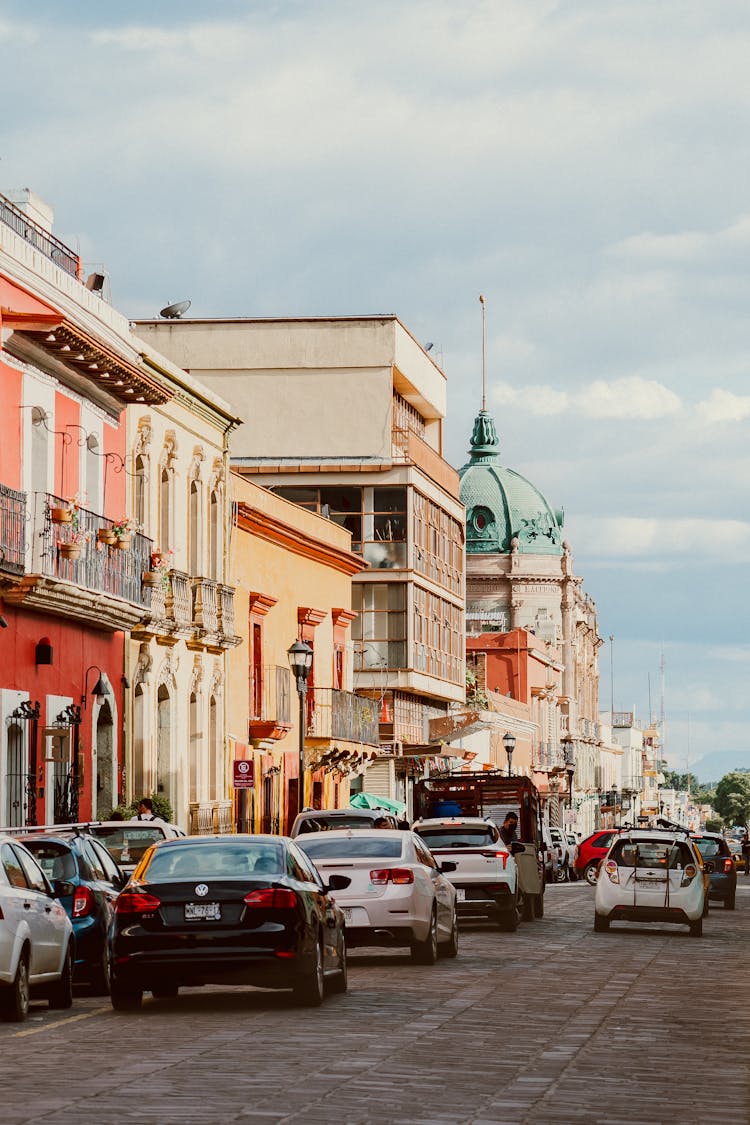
(229,860)
(54,859)
(331,824)
(458,837)
(355,847)
(128,843)
(653,854)
(709,847)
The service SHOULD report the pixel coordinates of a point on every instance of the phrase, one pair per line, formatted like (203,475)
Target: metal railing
(95,566)
(39,238)
(271,698)
(12,529)
(341,714)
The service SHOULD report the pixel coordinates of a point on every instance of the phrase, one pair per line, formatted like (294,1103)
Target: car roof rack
(670,826)
(50,829)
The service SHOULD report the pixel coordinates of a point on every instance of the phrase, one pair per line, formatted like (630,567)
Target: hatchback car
(719,863)
(651,876)
(36,936)
(486,876)
(591,851)
(226,910)
(327,820)
(398,894)
(88,881)
(127,840)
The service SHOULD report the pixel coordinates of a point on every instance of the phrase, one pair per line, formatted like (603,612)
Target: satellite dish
(174,312)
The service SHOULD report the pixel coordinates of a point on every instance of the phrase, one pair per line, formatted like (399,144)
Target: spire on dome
(485,445)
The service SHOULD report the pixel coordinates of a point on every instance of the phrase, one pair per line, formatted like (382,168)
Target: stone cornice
(298,542)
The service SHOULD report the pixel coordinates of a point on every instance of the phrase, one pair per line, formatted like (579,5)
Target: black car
(718,861)
(226,910)
(88,881)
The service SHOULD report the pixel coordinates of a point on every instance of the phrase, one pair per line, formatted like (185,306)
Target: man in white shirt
(145,810)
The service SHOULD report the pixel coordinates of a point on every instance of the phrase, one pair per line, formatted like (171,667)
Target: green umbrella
(370,801)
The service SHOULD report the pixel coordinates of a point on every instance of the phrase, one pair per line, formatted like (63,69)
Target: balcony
(407,448)
(64,569)
(270,704)
(196,610)
(39,238)
(211,818)
(343,715)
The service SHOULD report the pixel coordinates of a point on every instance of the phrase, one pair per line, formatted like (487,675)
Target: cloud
(631,397)
(634,537)
(723,406)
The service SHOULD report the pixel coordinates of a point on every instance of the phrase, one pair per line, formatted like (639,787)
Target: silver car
(398,895)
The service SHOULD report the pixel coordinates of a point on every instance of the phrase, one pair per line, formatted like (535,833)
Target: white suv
(486,877)
(651,876)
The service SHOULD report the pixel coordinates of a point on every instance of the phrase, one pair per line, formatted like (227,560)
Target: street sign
(243,774)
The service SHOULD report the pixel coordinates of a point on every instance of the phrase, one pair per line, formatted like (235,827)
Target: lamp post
(615,792)
(570,769)
(100,688)
(300,661)
(509,742)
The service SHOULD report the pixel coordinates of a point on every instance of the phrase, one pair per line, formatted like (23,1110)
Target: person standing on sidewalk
(746,852)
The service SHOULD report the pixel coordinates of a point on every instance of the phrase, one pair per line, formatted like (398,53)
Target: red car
(591,851)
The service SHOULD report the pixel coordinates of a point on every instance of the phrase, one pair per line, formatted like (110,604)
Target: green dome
(501,505)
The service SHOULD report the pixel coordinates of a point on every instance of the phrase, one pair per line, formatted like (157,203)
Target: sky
(584,165)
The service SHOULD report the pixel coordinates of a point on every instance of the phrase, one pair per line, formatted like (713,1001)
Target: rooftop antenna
(484,353)
(662,719)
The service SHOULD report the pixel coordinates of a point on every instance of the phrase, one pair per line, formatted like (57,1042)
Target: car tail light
(728,864)
(83,902)
(688,874)
(612,872)
(271,898)
(497,855)
(136,902)
(398,875)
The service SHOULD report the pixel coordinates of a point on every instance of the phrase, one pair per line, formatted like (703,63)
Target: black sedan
(226,910)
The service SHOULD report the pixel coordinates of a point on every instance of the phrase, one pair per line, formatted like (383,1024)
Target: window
(214,527)
(111,873)
(32,871)
(94,862)
(459,837)
(140,513)
(311,874)
(256,670)
(424,855)
(12,868)
(376,518)
(194,561)
(165,510)
(321,846)
(93,466)
(379,630)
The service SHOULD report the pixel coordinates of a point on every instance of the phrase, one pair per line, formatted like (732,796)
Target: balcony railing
(341,714)
(205,605)
(12,530)
(179,603)
(97,566)
(271,695)
(39,238)
(226,607)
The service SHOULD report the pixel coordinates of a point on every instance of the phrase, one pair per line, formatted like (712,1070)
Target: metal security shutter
(380,778)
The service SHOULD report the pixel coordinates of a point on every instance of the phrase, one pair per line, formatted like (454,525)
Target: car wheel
(601,924)
(426,952)
(696,928)
(100,976)
(340,982)
(509,919)
(125,998)
(705,907)
(591,873)
(450,947)
(310,989)
(527,907)
(561,874)
(165,992)
(729,902)
(61,993)
(539,905)
(14,1005)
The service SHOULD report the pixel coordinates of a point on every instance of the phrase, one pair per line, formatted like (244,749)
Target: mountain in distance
(712,767)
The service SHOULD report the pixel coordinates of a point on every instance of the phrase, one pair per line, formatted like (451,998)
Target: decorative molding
(260,604)
(297,541)
(145,665)
(142,447)
(199,456)
(342,618)
(216,685)
(196,675)
(169,450)
(309,616)
(168,671)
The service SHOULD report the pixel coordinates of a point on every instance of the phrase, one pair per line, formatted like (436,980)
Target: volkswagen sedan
(228,910)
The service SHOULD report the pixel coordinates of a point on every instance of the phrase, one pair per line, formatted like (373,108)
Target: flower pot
(122,542)
(151,578)
(107,535)
(61,515)
(70,551)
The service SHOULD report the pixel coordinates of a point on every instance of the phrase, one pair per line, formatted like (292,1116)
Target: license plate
(199,911)
(460,894)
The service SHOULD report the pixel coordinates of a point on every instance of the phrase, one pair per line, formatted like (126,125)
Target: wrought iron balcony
(270,703)
(39,238)
(343,715)
(12,530)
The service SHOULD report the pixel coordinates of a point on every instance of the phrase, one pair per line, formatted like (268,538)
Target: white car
(565,846)
(486,876)
(128,840)
(651,876)
(36,936)
(398,895)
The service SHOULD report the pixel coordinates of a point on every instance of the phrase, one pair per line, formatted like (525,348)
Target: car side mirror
(61,887)
(338,882)
(447,866)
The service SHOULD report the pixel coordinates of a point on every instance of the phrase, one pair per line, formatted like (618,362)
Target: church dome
(502,507)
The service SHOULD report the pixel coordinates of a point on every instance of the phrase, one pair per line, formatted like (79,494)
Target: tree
(732,800)
(703,794)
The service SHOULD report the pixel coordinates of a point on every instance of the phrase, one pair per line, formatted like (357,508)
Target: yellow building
(292,572)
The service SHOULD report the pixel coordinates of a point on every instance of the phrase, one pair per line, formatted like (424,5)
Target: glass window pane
(341,499)
(307,497)
(389,499)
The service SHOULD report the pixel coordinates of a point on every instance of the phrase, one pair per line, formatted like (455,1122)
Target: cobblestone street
(553,1024)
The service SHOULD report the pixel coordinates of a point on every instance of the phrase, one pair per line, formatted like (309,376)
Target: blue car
(87,881)
(718,861)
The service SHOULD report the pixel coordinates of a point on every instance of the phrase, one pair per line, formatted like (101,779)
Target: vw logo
(201,890)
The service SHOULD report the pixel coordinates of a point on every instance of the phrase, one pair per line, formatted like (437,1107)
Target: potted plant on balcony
(72,547)
(68,512)
(106,535)
(158,575)
(123,533)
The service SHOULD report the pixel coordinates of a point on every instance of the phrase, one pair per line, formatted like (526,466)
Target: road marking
(61,1023)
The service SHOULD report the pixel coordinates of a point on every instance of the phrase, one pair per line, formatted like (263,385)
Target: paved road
(554,1024)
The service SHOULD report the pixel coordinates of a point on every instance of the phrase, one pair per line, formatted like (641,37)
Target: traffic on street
(553,1023)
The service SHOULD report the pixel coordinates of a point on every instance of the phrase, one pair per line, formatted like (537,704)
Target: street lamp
(300,661)
(100,688)
(614,795)
(570,769)
(509,742)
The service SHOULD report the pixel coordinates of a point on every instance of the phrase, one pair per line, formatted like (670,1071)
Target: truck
(492,795)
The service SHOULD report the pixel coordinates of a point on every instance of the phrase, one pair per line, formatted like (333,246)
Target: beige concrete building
(345,418)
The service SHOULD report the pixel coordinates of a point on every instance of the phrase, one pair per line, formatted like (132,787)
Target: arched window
(194,748)
(15,777)
(165,510)
(39,450)
(194,510)
(214,524)
(140,767)
(106,788)
(214,764)
(164,743)
(140,495)
(93,474)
